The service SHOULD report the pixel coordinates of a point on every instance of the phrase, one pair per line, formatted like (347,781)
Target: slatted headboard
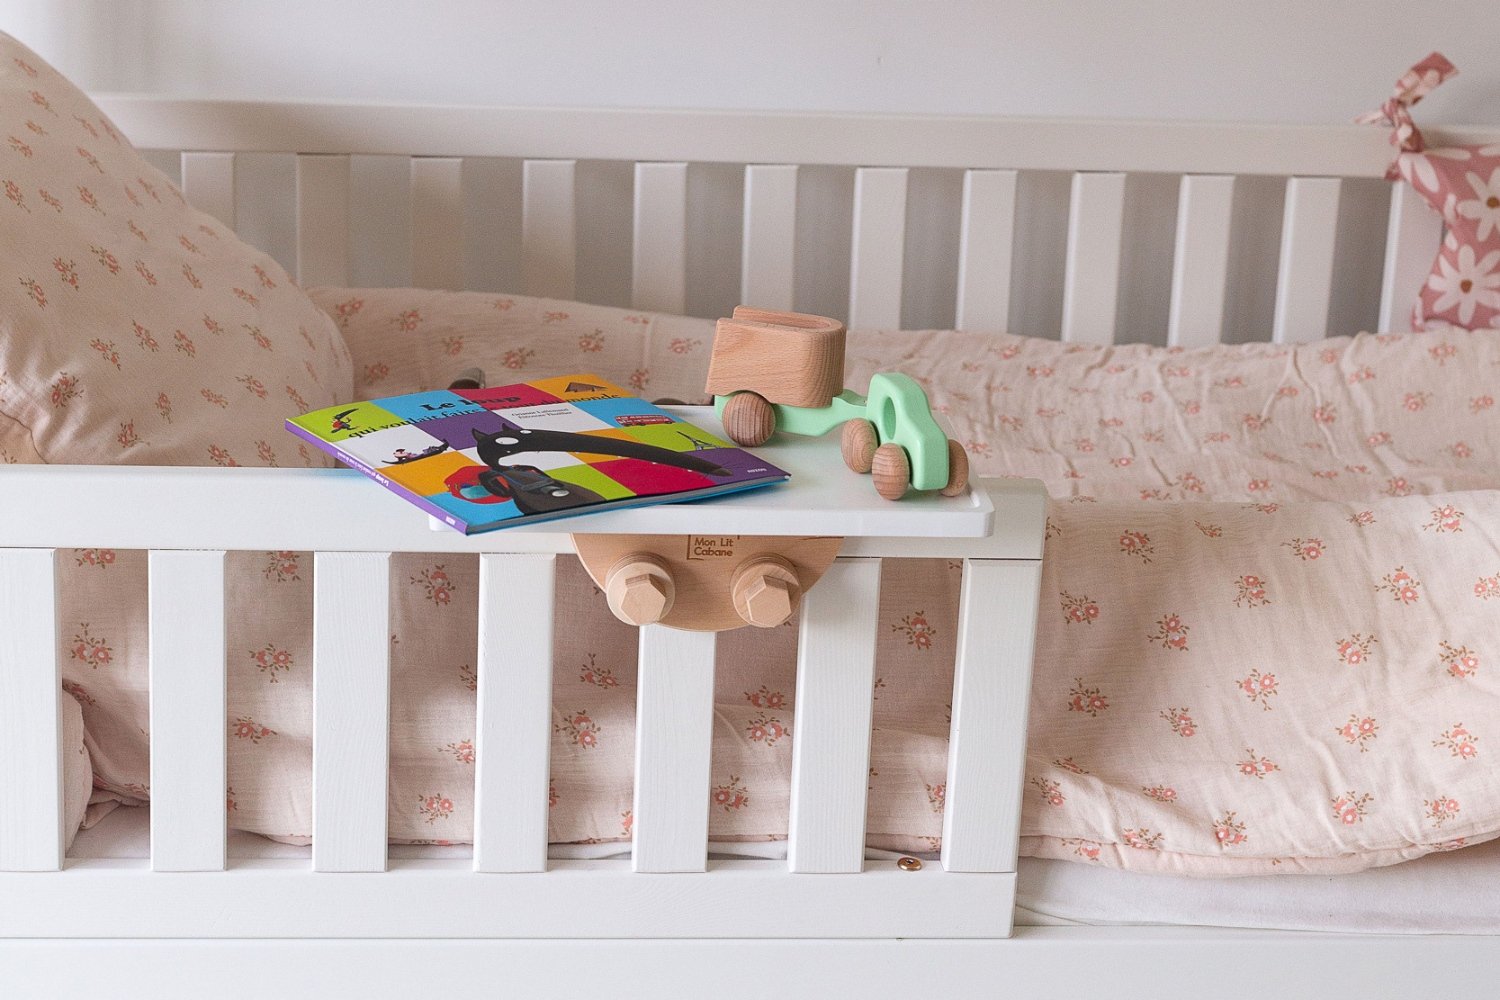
(883,152)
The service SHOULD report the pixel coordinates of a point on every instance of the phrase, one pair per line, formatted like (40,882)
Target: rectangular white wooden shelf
(339,510)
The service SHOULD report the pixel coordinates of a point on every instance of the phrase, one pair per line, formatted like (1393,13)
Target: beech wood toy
(783,371)
(705,583)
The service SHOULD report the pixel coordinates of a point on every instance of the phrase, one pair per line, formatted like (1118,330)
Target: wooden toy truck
(784,371)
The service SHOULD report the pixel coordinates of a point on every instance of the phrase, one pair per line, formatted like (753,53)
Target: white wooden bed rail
(991,152)
(969,894)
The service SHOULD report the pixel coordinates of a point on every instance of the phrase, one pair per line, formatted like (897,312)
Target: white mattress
(1451,893)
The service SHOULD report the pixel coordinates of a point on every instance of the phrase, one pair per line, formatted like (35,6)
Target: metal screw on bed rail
(909,864)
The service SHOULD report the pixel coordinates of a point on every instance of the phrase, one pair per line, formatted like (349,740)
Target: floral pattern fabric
(1261,645)
(1460,183)
(134,329)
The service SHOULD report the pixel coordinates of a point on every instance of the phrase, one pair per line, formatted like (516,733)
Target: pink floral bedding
(1262,644)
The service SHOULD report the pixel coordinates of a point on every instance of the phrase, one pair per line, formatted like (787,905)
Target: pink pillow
(135,329)
(1462,184)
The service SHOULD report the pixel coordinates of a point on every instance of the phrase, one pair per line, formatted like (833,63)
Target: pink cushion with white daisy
(1462,184)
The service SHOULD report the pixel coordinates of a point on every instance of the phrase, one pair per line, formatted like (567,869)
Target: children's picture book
(479,459)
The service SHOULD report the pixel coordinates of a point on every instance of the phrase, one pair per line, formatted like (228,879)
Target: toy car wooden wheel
(749,419)
(958,469)
(858,444)
(891,471)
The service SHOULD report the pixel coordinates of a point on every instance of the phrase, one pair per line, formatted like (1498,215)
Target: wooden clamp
(705,583)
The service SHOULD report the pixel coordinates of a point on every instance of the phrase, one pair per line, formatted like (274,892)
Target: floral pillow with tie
(1462,184)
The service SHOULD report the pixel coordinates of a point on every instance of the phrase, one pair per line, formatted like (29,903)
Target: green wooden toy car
(775,371)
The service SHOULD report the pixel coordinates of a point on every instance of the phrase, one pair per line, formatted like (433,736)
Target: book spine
(447,517)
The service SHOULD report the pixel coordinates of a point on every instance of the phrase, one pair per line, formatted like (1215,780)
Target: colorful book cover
(490,458)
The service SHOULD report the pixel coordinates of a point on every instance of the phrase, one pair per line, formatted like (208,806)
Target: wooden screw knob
(640,589)
(765,591)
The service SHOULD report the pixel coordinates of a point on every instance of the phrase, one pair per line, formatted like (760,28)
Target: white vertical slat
(658,280)
(322,220)
(208,183)
(549,228)
(188,727)
(1091,282)
(1304,280)
(878,247)
(31,796)
(985,244)
(831,751)
(437,222)
(1412,238)
(513,730)
(987,740)
(351,710)
(768,257)
(673,729)
(1200,260)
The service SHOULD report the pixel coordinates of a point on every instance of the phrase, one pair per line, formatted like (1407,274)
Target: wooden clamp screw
(765,591)
(640,589)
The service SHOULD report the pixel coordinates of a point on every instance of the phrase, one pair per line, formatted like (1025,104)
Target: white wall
(1280,60)
(1210,59)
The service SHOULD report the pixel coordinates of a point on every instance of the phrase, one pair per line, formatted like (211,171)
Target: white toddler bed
(360,922)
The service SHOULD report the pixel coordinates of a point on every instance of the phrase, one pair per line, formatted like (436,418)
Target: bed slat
(986,242)
(1413,235)
(1304,279)
(831,750)
(1091,282)
(513,730)
(208,183)
(188,729)
(548,228)
(31,797)
(878,248)
(437,222)
(673,730)
(322,220)
(658,280)
(987,739)
(351,710)
(768,256)
(1200,260)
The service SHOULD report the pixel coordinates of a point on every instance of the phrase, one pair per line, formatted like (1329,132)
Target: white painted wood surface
(188,724)
(513,727)
(1200,260)
(768,254)
(322,220)
(31,787)
(659,248)
(1304,279)
(351,710)
(446,901)
(831,744)
(839,139)
(1413,234)
(549,228)
(312,509)
(986,243)
(208,183)
(1120,963)
(673,738)
(437,222)
(1091,281)
(878,248)
(987,739)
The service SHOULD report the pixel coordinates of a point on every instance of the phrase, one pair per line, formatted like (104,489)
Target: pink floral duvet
(1272,576)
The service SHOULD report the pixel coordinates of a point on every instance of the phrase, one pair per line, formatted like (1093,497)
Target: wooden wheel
(858,444)
(891,470)
(958,469)
(748,419)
